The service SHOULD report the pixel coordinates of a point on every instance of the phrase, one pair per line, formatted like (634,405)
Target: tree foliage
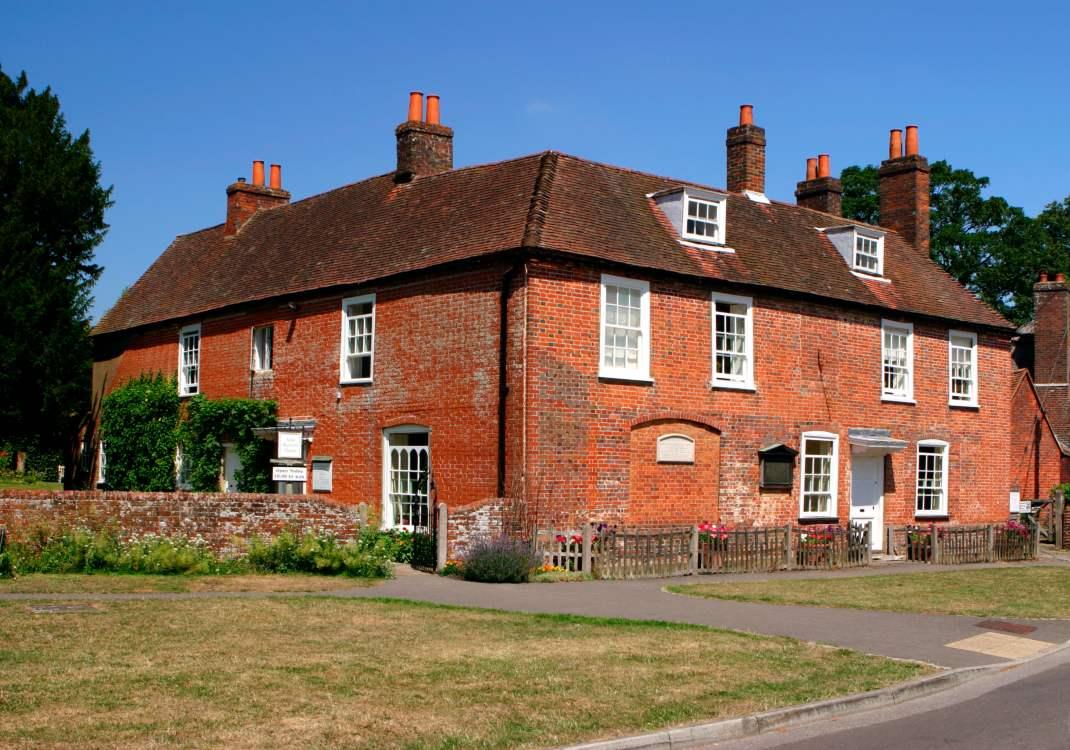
(51,219)
(991,247)
(139,424)
(209,424)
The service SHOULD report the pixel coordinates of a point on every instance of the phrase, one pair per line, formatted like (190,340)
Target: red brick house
(586,341)
(1040,406)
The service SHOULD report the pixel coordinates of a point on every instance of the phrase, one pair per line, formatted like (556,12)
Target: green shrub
(139,422)
(211,422)
(7,566)
(500,560)
(369,556)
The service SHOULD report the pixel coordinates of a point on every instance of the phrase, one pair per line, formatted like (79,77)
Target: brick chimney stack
(746,154)
(244,200)
(904,190)
(820,190)
(1051,325)
(425,145)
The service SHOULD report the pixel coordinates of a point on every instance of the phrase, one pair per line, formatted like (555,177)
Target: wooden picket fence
(956,545)
(622,552)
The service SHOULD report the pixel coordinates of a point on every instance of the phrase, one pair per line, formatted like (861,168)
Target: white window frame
(343,370)
(186,388)
(258,357)
(907,396)
(387,519)
(722,205)
(945,462)
(102,464)
(642,372)
(745,381)
(951,347)
(879,241)
(834,479)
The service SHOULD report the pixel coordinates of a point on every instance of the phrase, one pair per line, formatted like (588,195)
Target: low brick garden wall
(218,518)
(468,523)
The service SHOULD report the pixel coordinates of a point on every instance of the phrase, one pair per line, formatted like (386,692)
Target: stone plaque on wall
(676,449)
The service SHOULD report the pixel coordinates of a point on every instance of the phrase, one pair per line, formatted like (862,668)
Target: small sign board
(290,445)
(1016,500)
(1024,506)
(676,449)
(288,473)
(321,475)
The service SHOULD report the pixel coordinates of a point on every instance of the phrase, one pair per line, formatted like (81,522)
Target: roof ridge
(540,200)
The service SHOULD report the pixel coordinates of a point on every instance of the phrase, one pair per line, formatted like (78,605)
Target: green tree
(51,219)
(991,247)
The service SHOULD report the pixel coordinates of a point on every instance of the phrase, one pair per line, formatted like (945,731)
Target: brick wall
(1036,461)
(217,518)
(436,365)
(469,523)
(817,368)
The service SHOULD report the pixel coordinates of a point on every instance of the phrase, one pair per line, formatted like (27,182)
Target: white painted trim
(757,197)
(879,239)
(834,480)
(722,216)
(386,516)
(709,247)
(871,277)
(255,362)
(358,300)
(183,386)
(974,400)
(747,381)
(642,372)
(945,452)
(907,397)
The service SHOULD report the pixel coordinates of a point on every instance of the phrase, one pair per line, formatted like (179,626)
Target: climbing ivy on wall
(208,424)
(139,424)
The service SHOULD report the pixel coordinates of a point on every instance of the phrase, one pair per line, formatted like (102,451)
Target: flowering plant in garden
(1014,528)
(551,568)
(452,568)
(711,533)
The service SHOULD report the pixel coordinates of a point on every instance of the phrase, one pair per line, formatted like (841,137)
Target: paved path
(1021,707)
(899,635)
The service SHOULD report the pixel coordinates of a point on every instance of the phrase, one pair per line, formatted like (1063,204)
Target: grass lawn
(18,484)
(323,672)
(104,583)
(1042,592)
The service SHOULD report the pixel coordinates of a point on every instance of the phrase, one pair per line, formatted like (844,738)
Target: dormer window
(702,220)
(861,247)
(698,215)
(868,254)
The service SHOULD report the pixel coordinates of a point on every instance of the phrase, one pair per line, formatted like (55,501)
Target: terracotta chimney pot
(416,106)
(746,114)
(811,168)
(258,172)
(432,109)
(1060,277)
(895,144)
(912,140)
(276,177)
(1043,276)
(822,165)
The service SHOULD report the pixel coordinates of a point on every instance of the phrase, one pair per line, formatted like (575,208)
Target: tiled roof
(376,228)
(1055,400)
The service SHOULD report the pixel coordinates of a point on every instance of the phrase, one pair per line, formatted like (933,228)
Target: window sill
(624,378)
(717,385)
(365,381)
(870,276)
(812,520)
(964,405)
(715,247)
(897,400)
(933,517)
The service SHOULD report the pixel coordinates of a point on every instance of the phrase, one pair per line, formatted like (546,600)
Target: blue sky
(180,98)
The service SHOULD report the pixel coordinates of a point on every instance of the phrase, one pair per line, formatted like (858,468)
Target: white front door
(867,495)
(406,478)
(231,464)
